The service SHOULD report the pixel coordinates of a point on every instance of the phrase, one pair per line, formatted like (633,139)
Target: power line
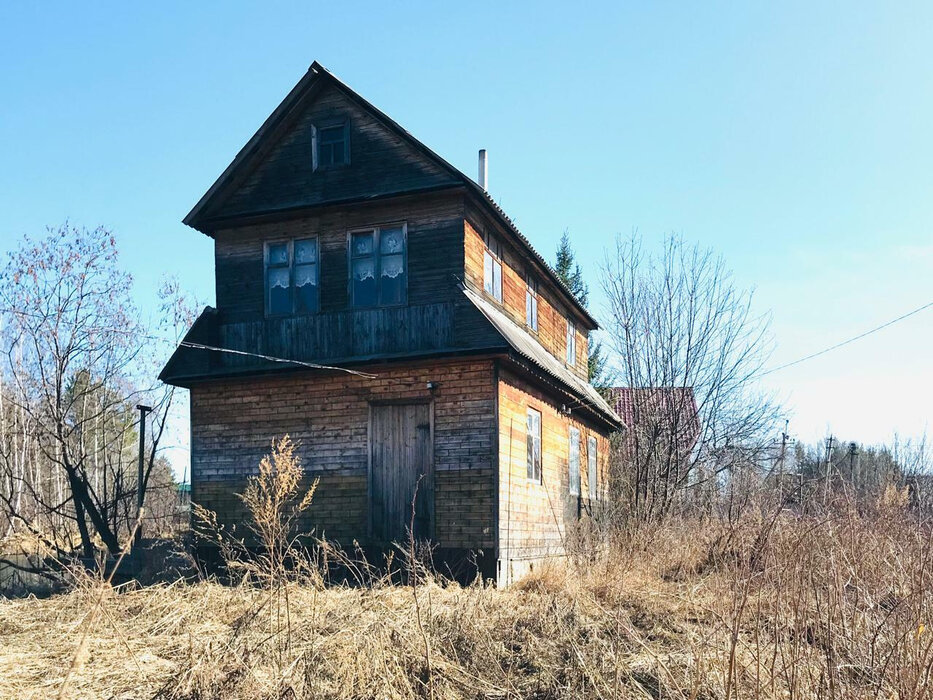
(271,358)
(184,343)
(846,342)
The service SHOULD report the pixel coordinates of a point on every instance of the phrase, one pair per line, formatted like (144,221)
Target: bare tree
(78,360)
(691,342)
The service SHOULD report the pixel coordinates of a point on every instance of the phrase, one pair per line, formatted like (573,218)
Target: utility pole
(853,451)
(783,452)
(140,471)
(829,460)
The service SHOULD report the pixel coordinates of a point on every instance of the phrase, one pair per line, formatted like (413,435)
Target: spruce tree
(569,272)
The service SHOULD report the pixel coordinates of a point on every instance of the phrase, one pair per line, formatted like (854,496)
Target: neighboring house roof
(529,348)
(244,159)
(676,405)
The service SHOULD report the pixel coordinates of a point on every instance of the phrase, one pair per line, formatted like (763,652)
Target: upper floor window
(533,435)
(591,466)
(574,462)
(292,277)
(571,343)
(531,303)
(492,268)
(331,145)
(377,266)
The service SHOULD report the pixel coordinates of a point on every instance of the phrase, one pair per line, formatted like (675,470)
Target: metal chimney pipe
(483,169)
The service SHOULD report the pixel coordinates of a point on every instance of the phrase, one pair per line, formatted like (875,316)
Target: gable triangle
(279,168)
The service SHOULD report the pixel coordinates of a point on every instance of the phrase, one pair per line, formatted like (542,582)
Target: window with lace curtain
(378,275)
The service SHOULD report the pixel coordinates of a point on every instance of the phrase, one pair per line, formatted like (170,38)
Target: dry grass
(773,605)
(832,606)
(540,639)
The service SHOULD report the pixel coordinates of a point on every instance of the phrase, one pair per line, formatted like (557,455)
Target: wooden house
(375,303)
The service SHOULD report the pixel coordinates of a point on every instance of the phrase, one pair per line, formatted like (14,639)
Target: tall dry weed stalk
(274,558)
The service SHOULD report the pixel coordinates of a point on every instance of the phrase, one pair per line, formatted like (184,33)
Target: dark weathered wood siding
(435,252)
(381,163)
(437,317)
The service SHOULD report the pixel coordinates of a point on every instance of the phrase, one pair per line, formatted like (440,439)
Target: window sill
(295,314)
(377,306)
(337,166)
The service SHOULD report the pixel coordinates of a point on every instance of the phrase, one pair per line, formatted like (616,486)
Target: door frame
(372,403)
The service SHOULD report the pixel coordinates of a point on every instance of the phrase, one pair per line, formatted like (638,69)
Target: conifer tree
(569,272)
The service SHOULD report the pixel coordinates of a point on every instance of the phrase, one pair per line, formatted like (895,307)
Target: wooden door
(401,463)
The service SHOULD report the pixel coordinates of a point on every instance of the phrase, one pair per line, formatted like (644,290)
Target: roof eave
(194,217)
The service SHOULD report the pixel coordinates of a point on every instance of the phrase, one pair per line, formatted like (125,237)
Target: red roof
(656,406)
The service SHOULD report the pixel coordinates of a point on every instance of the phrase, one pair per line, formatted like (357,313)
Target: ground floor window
(534,445)
(591,466)
(574,461)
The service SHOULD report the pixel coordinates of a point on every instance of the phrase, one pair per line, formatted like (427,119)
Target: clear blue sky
(795,138)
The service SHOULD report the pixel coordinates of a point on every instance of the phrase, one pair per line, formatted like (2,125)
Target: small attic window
(331,145)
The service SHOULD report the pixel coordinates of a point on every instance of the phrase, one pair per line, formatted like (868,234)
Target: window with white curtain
(292,277)
(378,266)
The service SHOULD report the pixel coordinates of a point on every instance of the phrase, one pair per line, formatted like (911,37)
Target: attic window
(331,145)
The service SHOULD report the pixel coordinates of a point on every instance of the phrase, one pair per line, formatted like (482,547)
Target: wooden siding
(535,519)
(435,252)
(341,335)
(552,329)
(381,163)
(234,421)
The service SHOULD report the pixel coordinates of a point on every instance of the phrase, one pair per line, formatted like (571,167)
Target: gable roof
(275,125)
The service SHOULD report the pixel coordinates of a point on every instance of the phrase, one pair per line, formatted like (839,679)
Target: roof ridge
(476,187)
(285,107)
